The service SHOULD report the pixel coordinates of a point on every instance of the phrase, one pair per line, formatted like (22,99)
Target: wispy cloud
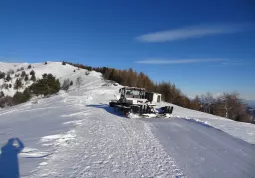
(193,32)
(233,63)
(180,61)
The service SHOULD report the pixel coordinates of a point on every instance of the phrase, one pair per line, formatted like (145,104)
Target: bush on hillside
(45,86)
(45,75)
(1,94)
(71,83)
(46,63)
(8,78)
(20,69)
(63,63)
(10,85)
(66,84)
(26,77)
(21,97)
(89,68)
(2,75)
(6,101)
(32,72)
(33,78)
(23,73)
(29,66)
(18,84)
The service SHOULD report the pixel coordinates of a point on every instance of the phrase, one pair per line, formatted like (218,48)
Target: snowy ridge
(58,70)
(4,66)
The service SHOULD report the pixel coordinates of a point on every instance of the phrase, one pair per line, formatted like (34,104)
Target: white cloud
(233,63)
(180,61)
(192,32)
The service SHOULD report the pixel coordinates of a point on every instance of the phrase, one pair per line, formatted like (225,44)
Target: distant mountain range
(251,103)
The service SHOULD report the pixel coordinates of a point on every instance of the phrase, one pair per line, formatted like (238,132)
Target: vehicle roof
(153,92)
(133,88)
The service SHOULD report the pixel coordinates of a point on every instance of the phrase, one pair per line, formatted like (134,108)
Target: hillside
(76,134)
(58,70)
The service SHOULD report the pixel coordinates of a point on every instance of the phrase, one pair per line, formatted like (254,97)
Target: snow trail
(204,151)
(107,145)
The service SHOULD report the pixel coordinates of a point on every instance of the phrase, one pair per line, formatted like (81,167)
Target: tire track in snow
(107,145)
(111,146)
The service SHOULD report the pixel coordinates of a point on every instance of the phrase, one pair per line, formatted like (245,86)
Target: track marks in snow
(58,139)
(75,122)
(104,145)
(110,146)
(34,153)
(82,113)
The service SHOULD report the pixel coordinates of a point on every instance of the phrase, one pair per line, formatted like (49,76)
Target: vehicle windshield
(133,93)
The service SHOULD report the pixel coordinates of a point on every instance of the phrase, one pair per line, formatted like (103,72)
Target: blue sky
(200,46)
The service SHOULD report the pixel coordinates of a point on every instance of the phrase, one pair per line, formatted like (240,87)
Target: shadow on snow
(109,109)
(9,162)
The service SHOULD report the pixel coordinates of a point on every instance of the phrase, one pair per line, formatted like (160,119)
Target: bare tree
(78,82)
(209,98)
(234,107)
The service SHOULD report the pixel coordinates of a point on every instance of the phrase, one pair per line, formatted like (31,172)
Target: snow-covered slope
(60,71)
(4,67)
(75,133)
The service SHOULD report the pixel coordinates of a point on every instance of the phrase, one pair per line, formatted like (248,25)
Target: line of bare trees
(169,91)
(228,105)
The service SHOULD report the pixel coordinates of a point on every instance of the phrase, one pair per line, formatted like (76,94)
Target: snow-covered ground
(203,151)
(75,133)
(244,131)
